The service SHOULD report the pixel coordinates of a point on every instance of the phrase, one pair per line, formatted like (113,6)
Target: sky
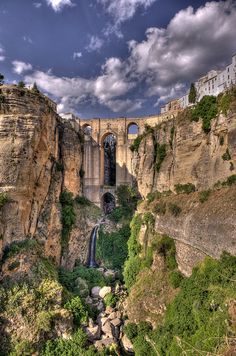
(114,58)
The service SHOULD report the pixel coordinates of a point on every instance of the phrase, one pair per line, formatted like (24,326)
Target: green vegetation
(112,247)
(206,109)
(198,320)
(81,200)
(76,346)
(225,100)
(21,85)
(226,156)
(111,300)
(231,180)
(160,208)
(203,196)
(3,199)
(157,195)
(13,265)
(78,309)
(185,188)
(174,209)
(1,79)
(17,247)
(35,89)
(165,246)
(175,278)
(192,94)
(160,156)
(67,216)
(172,133)
(91,275)
(136,143)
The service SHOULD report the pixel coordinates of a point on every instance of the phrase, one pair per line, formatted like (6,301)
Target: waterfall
(92,248)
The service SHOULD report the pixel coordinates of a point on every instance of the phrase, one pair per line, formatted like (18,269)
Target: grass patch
(185,188)
(204,196)
(174,209)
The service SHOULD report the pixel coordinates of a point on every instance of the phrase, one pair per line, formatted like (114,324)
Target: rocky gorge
(161,258)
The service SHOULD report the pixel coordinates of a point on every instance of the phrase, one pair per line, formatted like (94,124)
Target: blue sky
(109,58)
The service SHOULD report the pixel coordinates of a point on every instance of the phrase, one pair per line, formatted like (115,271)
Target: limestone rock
(116,322)
(127,344)
(104,291)
(93,332)
(95,291)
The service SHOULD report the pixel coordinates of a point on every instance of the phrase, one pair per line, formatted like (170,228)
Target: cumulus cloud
(77,55)
(112,83)
(192,43)
(95,44)
(160,66)
(21,67)
(58,5)
(2,56)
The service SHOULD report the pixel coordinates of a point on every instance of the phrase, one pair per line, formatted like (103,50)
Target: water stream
(92,248)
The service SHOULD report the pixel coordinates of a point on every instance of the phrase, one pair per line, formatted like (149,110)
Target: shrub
(174,209)
(13,265)
(192,94)
(21,85)
(166,247)
(78,310)
(1,79)
(175,279)
(112,248)
(226,156)
(3,199)
(231,180)
(131,270)
(152,196)
(203,196)
(131,331)
(111,300)
(185,188)
(81,200)
(127,197)
(18,246)
(206,109)
(136,143)
(35,88)
(68,216)
(160,156)
(224,100)
(160,208)
(44,320)
(134,246)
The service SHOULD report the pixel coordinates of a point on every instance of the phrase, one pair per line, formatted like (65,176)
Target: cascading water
(92,248)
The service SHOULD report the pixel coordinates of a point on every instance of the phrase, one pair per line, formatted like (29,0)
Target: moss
(160,156)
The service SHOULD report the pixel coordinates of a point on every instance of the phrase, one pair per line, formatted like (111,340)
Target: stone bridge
(123,131)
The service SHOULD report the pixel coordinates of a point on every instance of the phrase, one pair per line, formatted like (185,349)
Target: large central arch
(108,159)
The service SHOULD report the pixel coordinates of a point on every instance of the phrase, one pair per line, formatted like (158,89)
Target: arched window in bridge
(109,146)
(108,203)
(87,129)
(133,131)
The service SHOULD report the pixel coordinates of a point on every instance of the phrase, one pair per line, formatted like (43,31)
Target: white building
(213,83)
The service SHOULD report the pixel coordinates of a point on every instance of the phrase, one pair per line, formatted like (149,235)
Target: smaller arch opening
(133,131)
(87,129)
(108,203)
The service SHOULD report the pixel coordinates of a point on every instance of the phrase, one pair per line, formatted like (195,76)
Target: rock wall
(195,157)
(40,155)
(192,156)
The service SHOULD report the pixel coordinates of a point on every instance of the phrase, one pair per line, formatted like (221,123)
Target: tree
(21,84)
(192,94)
(1,78)
(35,88)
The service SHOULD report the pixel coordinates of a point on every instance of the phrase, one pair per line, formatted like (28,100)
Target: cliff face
(39,157)
(192,156)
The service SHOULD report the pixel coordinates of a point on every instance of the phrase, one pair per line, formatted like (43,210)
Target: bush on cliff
(68,216)
(206,109)
(199,319)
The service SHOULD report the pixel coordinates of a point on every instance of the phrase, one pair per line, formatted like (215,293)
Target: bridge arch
(108,159)
(132,130)
(108,202)
(87,129)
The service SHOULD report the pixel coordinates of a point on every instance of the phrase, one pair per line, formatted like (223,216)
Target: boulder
(100,306)
(104,291)
(100,344)
(107,329)
(116,322)
(127,344)
(95,291)
(93,332)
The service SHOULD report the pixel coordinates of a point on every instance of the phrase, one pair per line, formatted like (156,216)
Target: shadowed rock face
(40,155)
(192,157)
